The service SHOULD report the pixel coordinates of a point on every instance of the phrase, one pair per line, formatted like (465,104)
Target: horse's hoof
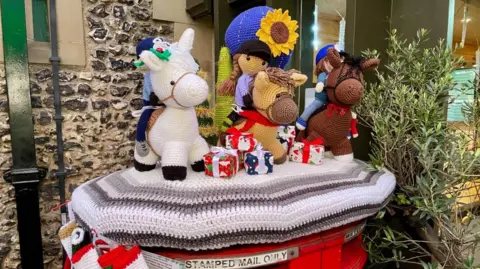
(173,173)
(198,166)
(141,167)
(344,158)
(281,160)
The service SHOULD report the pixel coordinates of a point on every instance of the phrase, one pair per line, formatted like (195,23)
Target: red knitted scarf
(253,117)
(340,110)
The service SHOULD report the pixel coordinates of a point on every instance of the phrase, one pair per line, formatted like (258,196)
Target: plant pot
(399,223)
(362,144)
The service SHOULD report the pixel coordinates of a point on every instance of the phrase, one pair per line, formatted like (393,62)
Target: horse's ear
(261,81)
(369,64)
(334,58)
(298,79)
(186,41)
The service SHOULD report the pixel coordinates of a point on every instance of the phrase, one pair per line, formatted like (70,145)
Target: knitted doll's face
(251,65)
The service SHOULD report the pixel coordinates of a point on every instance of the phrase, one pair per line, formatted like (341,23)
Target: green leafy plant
(434,162)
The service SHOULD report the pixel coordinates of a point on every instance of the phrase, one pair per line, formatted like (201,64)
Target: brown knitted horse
(344,88)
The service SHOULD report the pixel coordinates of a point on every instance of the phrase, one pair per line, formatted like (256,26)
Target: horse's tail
(144,157)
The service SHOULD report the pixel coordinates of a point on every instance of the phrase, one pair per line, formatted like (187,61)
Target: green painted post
(24,175)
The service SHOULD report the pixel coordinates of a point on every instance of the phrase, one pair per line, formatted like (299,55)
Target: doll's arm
(319,87)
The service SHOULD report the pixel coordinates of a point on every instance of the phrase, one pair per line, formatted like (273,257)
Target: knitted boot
(133,259)
(144,158)
(107,260)
(86,258)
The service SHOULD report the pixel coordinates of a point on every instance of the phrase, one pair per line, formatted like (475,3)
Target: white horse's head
(174,78)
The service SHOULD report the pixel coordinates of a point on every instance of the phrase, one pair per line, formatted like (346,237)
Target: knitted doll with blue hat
(321,97)
(146,44)
(150,100)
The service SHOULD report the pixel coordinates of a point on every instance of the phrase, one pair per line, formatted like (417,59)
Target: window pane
(41,30)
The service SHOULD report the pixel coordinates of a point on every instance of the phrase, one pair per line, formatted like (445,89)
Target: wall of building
(97,101)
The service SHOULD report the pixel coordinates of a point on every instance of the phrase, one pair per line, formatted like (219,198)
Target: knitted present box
(203,212)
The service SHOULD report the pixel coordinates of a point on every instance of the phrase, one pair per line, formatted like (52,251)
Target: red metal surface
(326,250)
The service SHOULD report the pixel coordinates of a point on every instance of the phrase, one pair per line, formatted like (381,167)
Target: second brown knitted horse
(344,88)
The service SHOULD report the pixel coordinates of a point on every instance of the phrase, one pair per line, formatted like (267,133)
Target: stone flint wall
(97,102)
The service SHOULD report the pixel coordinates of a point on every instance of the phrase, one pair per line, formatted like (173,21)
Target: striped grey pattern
(124,191)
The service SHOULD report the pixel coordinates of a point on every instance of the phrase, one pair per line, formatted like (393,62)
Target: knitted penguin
(252,57)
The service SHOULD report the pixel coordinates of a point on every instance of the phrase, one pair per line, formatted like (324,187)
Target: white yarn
(88,261)
(218,220)
(175,135)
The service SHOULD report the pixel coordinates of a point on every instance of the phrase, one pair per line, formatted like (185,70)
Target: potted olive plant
(424,226)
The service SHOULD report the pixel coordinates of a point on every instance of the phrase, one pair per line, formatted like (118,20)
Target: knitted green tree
(205,118)
(223,102)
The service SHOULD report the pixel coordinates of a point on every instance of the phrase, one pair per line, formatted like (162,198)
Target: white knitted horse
(174,135)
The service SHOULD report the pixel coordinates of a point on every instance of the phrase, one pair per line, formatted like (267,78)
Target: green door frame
(25,176)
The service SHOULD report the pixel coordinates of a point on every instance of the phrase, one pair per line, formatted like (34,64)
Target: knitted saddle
(204,213)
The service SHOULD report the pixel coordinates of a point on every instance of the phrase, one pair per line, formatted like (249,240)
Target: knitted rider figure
(251,57)
(149,98)
(321,99)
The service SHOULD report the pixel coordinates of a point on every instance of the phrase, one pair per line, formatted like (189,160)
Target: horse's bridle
(269,107)
(353,73)
(172,93)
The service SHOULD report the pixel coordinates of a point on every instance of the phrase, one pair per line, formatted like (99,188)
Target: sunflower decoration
(277,30)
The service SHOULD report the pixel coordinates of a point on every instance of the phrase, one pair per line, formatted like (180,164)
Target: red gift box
(241,141)
(222,163)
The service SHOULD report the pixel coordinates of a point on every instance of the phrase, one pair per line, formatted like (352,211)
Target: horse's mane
(182,59)
(276,76)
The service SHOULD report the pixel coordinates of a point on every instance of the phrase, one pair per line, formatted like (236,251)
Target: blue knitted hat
(322,53)
(144,44)
(244,27)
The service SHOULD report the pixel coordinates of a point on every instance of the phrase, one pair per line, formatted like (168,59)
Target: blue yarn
(322,53)
(244,27)
(147,87)
(141,134)
(145,44)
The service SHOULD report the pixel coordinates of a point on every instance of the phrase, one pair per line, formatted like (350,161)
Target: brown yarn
(319,68)
(333,126)
(227,88)
(277,76)
(279,32)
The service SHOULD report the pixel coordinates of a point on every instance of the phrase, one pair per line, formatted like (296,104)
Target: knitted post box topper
(174,135)
(344,88)
(272,94)
(252,57)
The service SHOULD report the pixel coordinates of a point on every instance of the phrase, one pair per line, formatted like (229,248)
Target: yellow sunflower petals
(285,50)
(275,51)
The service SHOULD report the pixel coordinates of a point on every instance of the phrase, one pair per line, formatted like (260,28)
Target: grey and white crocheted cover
(211,213)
